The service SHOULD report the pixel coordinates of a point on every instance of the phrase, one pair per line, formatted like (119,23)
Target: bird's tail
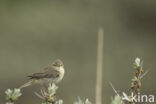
(26,84)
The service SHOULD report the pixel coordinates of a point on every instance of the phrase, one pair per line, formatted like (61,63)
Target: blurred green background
(33,33)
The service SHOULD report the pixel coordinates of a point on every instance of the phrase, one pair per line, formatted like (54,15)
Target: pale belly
(52,80)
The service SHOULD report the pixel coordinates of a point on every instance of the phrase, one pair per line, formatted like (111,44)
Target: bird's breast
(61,72)
(60,77)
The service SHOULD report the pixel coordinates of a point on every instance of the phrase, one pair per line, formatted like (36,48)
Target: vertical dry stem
(98,96)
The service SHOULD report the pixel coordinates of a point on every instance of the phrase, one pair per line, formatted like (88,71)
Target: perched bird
(53,73)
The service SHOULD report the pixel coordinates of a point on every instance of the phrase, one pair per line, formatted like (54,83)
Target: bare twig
(114,88)
(41,97)
(98,96)
(146,72)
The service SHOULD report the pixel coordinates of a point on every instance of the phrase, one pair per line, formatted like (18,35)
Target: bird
(52,73)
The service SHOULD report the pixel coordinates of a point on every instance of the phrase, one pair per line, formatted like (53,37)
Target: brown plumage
(51,74)
(48,72)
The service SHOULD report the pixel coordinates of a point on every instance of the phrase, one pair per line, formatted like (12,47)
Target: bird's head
(58,63)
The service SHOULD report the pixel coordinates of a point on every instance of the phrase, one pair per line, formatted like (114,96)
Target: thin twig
(41,97)
(114,88)
(144,74)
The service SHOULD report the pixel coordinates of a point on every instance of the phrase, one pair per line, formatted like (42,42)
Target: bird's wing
(47,72)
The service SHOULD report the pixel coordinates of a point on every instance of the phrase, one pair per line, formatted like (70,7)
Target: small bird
(53,73)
